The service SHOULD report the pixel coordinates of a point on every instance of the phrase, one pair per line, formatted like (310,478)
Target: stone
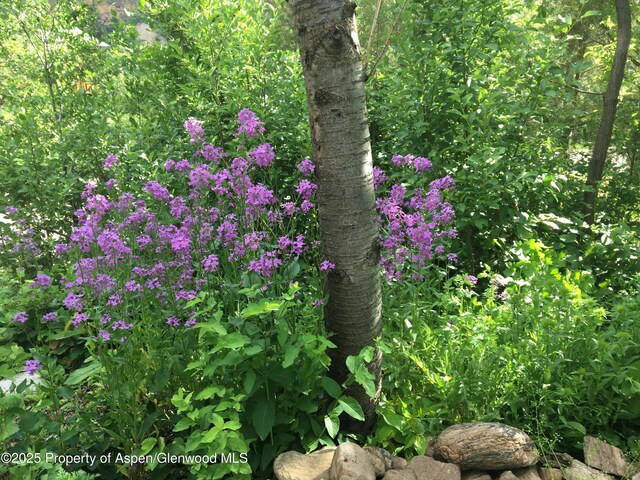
(427,468)
(351,462)
(298,466)
(475,475)
(604,457)
(556,460)
(380,459)
(430,451)
(579,471)
(529,473)
(400,475)
(399,463)
(486,446)
(508,475)
(546,473)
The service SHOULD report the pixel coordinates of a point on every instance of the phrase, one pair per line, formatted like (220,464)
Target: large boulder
(427,468)
(351,462)
(604,457)
(298,466)
(485,446)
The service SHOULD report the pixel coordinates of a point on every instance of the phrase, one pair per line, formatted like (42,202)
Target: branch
(374,24)
(369,74)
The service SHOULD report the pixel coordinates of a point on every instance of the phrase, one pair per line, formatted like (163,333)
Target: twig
(370,73)
(374,24)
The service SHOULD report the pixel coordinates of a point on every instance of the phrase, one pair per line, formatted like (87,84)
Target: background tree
(603,139)
(330,52)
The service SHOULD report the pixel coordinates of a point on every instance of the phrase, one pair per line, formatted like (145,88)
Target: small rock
(475,475)
(550,473)
(431,441)
(380,459)
(297,466)
(486,446)
(400,475)
(604,457)
(351,462)
(556,460)
(579,471)
(427,468)
(399,463)
(529,473)
(508,475)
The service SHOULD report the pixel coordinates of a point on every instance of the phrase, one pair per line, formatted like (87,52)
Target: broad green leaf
(351,407)
(290,356)
(147,445)
(333,425)
(81,374)
(260,308)
(263,418)
(331,387)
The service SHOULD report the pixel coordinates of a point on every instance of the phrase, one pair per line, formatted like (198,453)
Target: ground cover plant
(162,283)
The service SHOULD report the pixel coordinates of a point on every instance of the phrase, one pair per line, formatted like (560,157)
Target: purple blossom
(41,280)
(210,264)
(266,265)
(444,183)
(183,165)
(20,317)
(211,153)
(200,177)
(327,266)
(32,366)
(194,128)
(121,325)
(289,208)
(306,189)
(79,318)
(50,317)
(158,191)
(379,177)
(114,300)
(173,321)
(452,257)
(250,126)
(263,155)
(472,279)
(73,301)
(318,303)
(169,164)
(110,184)
(306,205)
(422,164)
(307,167)
(110,161)
(106,336)
(11,210)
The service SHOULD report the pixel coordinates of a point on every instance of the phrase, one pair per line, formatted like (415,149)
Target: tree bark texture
(331,59)
(610,103)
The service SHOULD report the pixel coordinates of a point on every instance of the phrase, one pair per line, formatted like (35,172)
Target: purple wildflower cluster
(32,366)
(192,227)
(21,241)
(414,224)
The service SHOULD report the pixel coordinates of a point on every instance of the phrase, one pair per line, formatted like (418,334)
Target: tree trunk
(603,138)
(330,52)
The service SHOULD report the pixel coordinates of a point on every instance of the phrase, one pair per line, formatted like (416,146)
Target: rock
(604,457)
(427,468)
(550,473)
(485,446)
(9,385)
(351,462)
(529,473)
(297,466)
(579,471)
(400,475)
(556,460)
(475,475)
(508,475)
(380,459)
(399,463)
(430,451)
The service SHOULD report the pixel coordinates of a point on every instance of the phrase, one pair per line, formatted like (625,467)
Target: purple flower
(32,366)
(20,317)
(327,266)
(289,208)
(73,300)
(317,303)
(11,210)
(422,164)
(200,177)
(452,257)
(111,183)
(444,183)
(249,124)
(263,155)
(173,321)
(266,265)
(210,264)
(306,189)
(169,164)
(110,161)
(158,191)
(194,128)
(472,279)
(41,280)
(106,336)
(306,205)
(378,177)
(79,318)
(307,167)
(211,153)
(50,317)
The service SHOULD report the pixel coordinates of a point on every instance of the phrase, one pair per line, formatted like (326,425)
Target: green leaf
(331,387)
(290,356)
(249,381)
(351,407)
(81,374)
(183,424)
(147,445)
(260,308)
(263,418)
(333,425)
(393,419)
